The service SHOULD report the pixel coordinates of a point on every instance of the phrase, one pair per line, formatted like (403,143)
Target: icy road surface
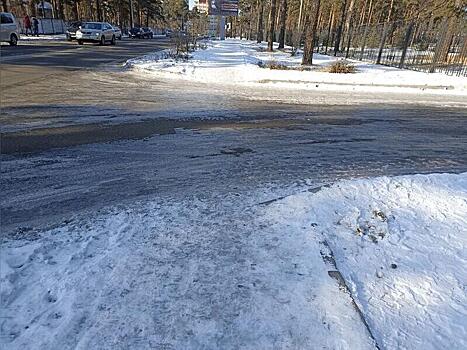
(231,273)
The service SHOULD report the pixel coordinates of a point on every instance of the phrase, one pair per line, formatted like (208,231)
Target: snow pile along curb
(144,61)
(237,62)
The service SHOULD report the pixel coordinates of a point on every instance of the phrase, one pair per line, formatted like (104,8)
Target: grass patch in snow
(281,66)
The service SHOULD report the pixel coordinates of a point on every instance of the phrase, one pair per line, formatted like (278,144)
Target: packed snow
(244,272)
(237,62)
(400,244)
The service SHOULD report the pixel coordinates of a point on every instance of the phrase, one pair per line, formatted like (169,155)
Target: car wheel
(80,42)
(13,40)
(120,37)
(113,42)
(69,38)
(102,42)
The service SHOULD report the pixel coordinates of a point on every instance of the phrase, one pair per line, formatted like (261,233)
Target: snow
(235,62)
(242,272)
(51,37)
(401,244)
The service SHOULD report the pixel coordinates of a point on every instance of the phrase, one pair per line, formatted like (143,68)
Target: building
(202,5)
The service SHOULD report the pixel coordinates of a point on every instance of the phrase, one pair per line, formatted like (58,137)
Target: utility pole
(222,27)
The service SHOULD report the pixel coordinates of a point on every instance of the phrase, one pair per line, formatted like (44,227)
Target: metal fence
(423,47)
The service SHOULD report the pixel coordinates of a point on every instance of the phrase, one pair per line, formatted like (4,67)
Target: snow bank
(236,62)
(43,37)
(400,244)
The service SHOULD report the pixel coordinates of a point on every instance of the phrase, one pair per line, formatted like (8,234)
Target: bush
(341,67)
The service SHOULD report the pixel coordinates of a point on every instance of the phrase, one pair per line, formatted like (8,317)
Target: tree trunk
(138,11)
(272,22)
(132,19)
(99,12)
(282,20)
(74,10)
(89,12)
(310,35)
(4,5)
(259,28)
(330,27)
(339,29)
(370,12)
(348,20)
(363,13)
(390,11)
(61,9)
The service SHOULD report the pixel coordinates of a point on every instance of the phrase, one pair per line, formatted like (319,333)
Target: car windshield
(96,26)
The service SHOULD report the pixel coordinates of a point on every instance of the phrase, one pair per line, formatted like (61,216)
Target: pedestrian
(27,25)
(35,25)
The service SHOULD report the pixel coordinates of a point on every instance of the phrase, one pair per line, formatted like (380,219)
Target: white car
(8,28)
(118,32)
(99,32)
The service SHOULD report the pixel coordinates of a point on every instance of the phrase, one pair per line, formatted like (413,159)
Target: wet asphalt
(81,133)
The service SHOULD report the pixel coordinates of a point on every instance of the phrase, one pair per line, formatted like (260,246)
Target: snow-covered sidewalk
(244,272)
(237,62)
(43,37)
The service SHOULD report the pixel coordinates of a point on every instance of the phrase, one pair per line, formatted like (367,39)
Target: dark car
(71,30)
(141,33)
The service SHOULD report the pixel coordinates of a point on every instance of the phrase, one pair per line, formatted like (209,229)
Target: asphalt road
(64,54)
(81,133)
(31,63)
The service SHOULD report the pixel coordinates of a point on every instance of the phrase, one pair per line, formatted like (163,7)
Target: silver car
(8,28)
(98,32)
(118,32)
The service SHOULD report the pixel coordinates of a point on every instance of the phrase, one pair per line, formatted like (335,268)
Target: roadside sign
(223,7)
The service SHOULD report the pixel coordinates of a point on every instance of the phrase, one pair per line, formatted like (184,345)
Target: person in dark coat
(27,25)
(35,26)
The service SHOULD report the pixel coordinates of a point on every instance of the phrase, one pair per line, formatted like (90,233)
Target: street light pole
(222,28)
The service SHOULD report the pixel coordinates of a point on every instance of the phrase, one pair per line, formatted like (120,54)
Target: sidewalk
(238,62)
(42,37)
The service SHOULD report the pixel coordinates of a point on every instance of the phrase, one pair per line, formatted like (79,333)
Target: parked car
(141,33)
(99,32)
(148,33)
(71,30)
(8,28)
(117,32)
